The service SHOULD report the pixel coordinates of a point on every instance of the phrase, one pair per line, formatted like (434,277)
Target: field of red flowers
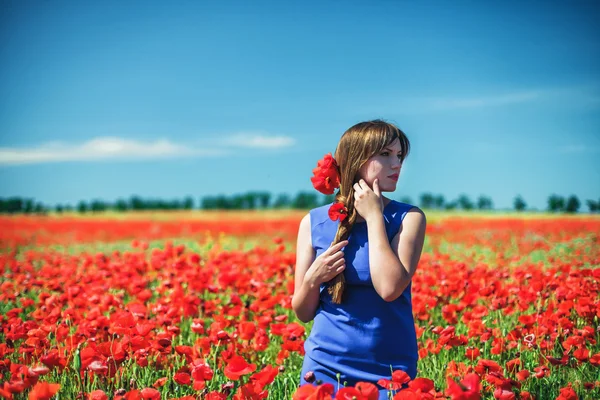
(108,308)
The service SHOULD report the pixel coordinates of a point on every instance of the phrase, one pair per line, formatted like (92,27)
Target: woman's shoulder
(319,215)
(406,206)
(401,209)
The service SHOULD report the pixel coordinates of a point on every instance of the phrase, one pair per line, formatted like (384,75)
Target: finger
(339,262)
(357,188)
(376,187)
(364,184)
(336,255)
(335,269)
(336,247)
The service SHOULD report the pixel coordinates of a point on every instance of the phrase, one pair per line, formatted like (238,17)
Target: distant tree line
(463,202)
(247,201)
(255,200)
(556,203)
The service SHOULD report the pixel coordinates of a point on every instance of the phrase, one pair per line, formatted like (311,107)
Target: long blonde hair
(356,146)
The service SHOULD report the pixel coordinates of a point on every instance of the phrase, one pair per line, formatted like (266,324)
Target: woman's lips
(394,177)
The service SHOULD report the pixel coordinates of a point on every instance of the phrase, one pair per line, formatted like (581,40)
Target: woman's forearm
(306,300)
(388,275)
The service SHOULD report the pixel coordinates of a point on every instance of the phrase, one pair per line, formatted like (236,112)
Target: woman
(353,277)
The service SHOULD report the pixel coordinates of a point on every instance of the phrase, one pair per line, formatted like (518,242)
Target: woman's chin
(388,188)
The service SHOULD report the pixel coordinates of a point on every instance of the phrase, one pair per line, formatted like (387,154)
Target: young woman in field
(353,277)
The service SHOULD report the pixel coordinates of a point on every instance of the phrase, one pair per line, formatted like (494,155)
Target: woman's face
(384,166)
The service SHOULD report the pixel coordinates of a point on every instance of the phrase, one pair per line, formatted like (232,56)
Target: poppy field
(176,307)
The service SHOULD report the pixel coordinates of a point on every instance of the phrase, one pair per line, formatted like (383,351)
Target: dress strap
(396,216)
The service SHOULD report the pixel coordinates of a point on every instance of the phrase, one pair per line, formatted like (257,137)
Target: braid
(337,284)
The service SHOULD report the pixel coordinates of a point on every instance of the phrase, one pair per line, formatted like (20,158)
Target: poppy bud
(309,377)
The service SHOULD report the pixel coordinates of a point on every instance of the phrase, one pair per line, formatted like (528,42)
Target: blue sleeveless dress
(365,337)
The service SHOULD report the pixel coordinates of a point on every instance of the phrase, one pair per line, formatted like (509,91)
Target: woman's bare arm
(393,266)
(311,272)
(306,292)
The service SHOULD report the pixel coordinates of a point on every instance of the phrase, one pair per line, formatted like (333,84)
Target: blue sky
(102,100)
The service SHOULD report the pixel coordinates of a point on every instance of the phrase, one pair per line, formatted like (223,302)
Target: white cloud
(115,148)
(259,141)
(102,148)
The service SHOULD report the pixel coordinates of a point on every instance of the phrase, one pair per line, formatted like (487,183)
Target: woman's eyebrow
(391,151)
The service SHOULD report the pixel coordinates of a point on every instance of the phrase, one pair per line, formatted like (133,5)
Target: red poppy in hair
(338,211)
(326,176)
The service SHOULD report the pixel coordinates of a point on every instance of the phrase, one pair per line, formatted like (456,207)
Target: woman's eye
(387,153)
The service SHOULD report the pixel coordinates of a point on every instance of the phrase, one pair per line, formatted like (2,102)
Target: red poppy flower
(39,370)
(504,394)
(541,371)
(484,366)
(246,329)
(182,378)
(408,394)
(523,374)
(423,384)
(311,392)
(98,367)
(326,176)
(97,395)
(216,396)
(160,382)
(368,390)
(265,377)
(150,394)
(468,389)
(202,372)
(237,367)
(43,391)
(472,353)
(582,354)
(399,378)
(567,393)
(349,393)
(133,395)
(304,392)
(338,211)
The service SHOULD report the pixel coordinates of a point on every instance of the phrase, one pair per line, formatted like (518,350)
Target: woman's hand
(327,265)
(368,203)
